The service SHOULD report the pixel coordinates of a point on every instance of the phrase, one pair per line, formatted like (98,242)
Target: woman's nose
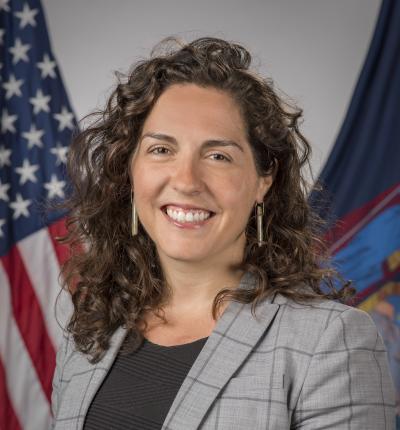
(187,177)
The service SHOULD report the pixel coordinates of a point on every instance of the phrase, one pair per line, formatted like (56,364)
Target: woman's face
(194,178)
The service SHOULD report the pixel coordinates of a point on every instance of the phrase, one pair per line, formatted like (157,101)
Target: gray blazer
(319,366)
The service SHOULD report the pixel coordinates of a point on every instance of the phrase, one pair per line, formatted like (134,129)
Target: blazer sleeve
(56,391)
(348,383)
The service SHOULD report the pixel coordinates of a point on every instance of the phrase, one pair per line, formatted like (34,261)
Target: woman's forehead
(183,106)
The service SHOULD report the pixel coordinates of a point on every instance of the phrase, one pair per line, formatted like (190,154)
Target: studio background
(312,49)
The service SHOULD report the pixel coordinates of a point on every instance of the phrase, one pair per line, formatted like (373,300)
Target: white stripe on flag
(24,389)
(42,266)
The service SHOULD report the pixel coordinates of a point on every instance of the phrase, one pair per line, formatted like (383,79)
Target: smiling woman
(194,175)
(203,298)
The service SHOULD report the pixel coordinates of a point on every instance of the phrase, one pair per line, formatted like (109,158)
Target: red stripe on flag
(58,229)
(30,320)
(8,418)
(358,218)
(62,251)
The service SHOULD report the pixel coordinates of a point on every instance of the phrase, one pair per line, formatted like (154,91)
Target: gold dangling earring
(260,214)
(134,217)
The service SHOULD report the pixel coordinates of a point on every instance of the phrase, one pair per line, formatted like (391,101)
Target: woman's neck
(196,292)
(194,287)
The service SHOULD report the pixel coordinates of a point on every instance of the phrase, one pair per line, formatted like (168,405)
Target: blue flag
(362,182)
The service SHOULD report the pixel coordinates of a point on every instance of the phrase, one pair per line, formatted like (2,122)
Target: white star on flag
(19,51)
(7,122)
(61,153)
(20,206)
(27,172)
(4,5)
(2,222)
(54,187)
(3,191)
(40,102)
(47,67)
(27,16)
(34,137)
(64,118)
(1,35)
(5,155)
(13,87)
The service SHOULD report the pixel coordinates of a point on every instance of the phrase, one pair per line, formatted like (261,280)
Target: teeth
(192,216)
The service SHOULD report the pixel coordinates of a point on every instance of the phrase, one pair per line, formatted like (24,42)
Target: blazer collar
(234,336)
(231,341)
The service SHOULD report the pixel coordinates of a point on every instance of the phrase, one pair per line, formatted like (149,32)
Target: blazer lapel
(231,341)
(96,374)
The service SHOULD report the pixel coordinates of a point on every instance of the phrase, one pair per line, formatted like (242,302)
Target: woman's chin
(185,254)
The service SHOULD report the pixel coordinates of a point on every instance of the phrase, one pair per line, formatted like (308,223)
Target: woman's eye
(220,157)
(162,150)
(159,150)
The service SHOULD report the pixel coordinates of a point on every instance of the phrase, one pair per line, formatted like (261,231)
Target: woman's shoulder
(324,318)
(337,357)
(315,306)
(68,352)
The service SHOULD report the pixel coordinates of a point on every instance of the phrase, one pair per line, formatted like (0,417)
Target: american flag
(36,127)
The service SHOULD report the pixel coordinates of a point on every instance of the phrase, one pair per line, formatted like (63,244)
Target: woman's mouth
(187,218)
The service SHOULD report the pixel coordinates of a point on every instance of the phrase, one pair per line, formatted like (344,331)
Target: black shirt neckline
(203,339)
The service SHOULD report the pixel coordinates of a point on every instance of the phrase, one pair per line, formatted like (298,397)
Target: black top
(140,387)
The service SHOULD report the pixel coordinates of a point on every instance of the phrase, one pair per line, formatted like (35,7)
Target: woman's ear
(265,183)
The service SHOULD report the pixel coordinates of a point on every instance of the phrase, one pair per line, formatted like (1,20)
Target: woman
(203,298)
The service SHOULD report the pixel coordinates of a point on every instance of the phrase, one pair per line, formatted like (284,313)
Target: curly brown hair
(112,282)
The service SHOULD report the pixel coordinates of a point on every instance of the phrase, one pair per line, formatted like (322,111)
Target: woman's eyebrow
(206,144)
